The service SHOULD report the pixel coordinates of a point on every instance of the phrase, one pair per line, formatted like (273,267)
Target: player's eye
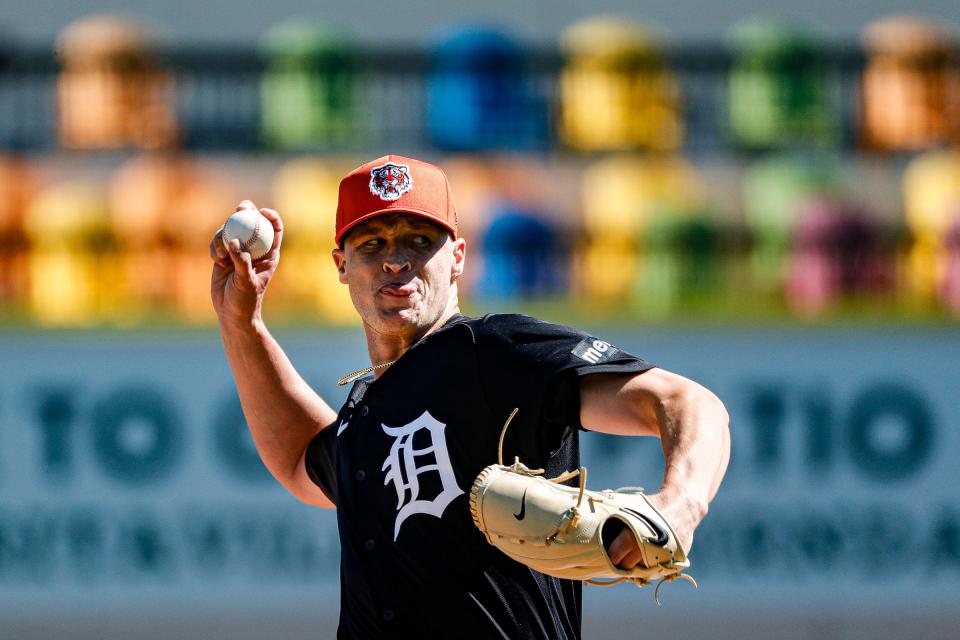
(422,241)
(371,244)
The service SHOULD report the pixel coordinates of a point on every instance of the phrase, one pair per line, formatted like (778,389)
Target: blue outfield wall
(128,482)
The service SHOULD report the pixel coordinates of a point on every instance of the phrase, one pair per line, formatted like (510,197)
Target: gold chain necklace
(347,379)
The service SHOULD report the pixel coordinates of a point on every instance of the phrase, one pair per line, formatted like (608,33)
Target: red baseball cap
(395,184)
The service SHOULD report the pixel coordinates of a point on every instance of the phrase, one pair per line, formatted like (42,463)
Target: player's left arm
(693,427)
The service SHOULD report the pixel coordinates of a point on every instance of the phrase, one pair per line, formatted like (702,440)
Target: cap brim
(379,212)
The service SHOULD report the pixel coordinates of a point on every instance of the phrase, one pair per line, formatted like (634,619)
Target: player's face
(401,270)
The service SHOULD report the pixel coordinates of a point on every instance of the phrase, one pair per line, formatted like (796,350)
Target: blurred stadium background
(770,206)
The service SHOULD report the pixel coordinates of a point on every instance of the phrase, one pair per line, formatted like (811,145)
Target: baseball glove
(565,531)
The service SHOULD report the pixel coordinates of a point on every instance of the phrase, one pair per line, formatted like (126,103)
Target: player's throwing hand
(237,283)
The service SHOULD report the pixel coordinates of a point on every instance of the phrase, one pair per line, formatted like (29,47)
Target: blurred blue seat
(479,94)
(523,256)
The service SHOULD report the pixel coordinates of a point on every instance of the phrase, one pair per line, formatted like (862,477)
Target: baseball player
(398,459)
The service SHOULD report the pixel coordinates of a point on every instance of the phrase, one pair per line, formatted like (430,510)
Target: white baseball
(252,229)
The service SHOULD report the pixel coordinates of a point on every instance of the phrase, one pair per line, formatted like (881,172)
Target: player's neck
(385,348)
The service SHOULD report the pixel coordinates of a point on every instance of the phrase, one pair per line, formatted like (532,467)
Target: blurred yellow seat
(623,197)
(622,194)
(73,264)
(305,194)
(615,90)
(931,198)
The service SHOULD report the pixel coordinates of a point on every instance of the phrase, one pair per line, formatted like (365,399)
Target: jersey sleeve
(536,366)
(321,461)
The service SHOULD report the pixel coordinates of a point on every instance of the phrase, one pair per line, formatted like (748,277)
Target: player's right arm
(282,411)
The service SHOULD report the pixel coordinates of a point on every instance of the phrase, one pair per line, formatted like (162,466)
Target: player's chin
(398,313)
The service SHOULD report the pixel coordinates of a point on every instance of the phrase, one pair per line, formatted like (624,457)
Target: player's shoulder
(520,327)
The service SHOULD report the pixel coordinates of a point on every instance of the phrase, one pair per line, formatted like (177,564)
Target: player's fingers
(621,546)
(218,252)
(242,263)
(624,551)
(245,204)
(277,223)
(631,560)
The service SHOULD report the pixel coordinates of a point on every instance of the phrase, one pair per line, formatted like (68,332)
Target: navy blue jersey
(401,458)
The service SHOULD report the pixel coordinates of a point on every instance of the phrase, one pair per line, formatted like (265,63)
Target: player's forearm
(281,409)
(695,436)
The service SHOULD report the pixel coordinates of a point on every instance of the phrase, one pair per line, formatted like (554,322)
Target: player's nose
(396,262)
(396,267)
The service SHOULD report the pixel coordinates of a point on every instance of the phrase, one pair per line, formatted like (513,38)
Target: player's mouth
(398,290)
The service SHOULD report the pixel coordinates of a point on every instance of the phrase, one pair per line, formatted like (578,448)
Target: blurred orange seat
(112,92)
(164,210)
(911,88)
(17,186)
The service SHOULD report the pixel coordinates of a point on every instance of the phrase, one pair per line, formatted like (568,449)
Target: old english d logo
(662,537)
(523,507)
(406,464)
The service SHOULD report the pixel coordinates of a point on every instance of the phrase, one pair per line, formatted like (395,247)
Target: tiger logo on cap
(390,181)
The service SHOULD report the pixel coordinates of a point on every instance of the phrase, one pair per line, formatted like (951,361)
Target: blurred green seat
(682,262)
(778,88)
(773,192)
(309,90)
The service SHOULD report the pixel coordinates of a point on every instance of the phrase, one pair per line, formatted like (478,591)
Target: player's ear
(340,260)
(459,258)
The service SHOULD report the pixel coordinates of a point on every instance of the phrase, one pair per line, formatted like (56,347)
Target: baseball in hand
(252,229)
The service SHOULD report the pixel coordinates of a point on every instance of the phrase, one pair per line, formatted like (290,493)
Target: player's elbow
(687,397)
(301,486)
(710,403)
(718,410)
(313,497)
